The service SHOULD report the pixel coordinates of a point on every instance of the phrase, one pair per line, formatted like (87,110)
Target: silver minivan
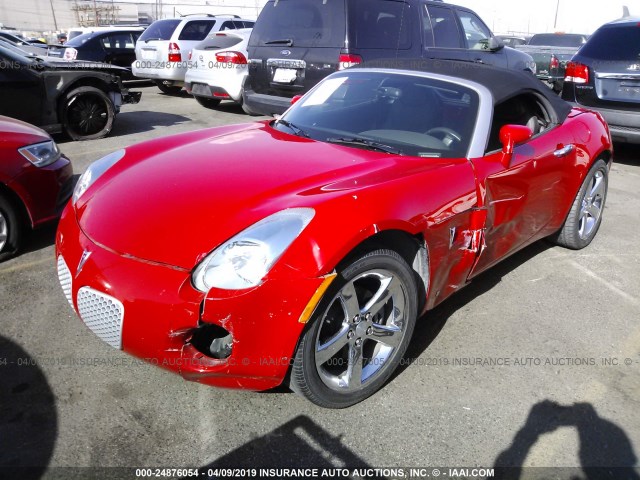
(163,50)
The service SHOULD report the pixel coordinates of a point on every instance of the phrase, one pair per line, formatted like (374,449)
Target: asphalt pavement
(535,364)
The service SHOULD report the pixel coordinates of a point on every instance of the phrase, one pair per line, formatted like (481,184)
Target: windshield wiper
(147,40)
(283,41)
(363,142)
(297,130)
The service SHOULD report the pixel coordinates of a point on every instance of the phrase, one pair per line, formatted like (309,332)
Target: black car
(79,98)
(605,76)
(17,40)
(296,43)
(112,46)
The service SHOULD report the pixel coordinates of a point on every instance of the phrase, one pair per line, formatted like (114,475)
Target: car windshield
(557,40)
(401,113)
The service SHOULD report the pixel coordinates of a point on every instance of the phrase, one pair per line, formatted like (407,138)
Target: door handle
(563,151)
(478,60)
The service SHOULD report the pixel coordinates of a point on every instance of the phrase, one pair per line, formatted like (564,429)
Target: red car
(305,248)
(35,181)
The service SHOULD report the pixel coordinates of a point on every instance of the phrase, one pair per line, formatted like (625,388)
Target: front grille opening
(103,314)
(213,341)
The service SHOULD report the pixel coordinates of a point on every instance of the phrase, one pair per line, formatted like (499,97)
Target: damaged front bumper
(152,312)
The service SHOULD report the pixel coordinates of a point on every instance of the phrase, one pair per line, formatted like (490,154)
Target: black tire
(582,223)
(168,89)
(11,230)
(207,102)
(377,338)
(87,114)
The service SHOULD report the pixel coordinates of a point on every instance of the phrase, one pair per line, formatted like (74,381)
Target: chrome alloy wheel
(592,205)
(361,330)
(4,231)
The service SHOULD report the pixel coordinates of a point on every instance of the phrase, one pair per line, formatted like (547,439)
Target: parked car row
(551,52)
(163,51)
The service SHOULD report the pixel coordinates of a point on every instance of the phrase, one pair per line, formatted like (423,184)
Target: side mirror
(510,136)
(295,99)
(495,44)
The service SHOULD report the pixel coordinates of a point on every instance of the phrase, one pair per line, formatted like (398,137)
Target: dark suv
(296,43)
(605,76)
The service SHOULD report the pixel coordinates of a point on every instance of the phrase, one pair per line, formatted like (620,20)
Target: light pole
(53,13)
(555,22)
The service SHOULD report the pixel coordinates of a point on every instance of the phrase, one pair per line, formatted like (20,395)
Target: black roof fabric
(502,83)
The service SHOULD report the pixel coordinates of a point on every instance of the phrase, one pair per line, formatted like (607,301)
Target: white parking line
(26,266)
(609,285)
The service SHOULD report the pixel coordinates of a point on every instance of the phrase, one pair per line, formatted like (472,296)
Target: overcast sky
(538,16)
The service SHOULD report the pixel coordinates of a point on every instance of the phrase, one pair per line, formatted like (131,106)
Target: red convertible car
(303,249)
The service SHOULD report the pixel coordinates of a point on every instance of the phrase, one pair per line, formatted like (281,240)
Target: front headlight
(41,154)
(95,170)
(243,261)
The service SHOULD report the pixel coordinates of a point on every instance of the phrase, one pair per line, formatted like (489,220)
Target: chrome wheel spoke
(388,288)
(3,231)
(593,211)
(353,376)
(597,189)
(349,299)
(331,347)
(388,335)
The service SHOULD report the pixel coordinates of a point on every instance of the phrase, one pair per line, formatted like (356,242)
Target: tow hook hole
(213,341)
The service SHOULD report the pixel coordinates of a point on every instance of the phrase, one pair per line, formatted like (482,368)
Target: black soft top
(502,83)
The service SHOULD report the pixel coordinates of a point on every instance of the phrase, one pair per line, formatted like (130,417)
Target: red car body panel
(531,198)
(468,213)
(42,191)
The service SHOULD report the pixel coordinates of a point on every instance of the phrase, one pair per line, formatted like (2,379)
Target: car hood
(175,199)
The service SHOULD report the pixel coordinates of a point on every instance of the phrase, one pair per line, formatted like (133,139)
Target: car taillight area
(174,52)
(236,58)
(347,60)
(576,73)
(554,63)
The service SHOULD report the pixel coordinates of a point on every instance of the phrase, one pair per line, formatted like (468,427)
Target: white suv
(162,51)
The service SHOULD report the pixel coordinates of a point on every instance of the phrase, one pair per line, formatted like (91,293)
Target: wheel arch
(605,154)
(95,82)
(412,248)
(14,198)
